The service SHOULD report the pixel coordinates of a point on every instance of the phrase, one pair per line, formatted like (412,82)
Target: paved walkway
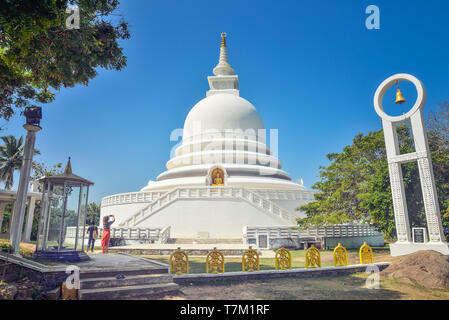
(194,247)
(183,246)
(98,262)
(117,261)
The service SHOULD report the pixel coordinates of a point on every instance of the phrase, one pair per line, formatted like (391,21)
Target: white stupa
(224,177)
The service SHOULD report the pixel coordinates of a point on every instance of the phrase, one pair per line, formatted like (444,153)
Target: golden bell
(399,97)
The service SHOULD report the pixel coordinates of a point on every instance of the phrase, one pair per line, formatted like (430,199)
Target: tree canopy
(11,156)
(93,214)
(40,169)
(39,55)
(355,187)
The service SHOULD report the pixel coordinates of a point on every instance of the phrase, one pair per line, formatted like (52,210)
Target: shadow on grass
(200,267)
(341,287)
(319,288)
(325,288)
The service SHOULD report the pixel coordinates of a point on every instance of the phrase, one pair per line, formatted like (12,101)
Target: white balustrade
(251,232)
(201,192)
(151,234)
(148,197)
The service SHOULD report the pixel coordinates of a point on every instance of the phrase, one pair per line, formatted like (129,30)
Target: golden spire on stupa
(223,68)
(223,39)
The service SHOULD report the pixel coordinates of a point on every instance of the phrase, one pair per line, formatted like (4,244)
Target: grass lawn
(27,250)
(197,263)
(347,287)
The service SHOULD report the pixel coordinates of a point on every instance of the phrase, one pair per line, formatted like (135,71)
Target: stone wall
(167,252)
(48,280)
(354,242)
(298,273)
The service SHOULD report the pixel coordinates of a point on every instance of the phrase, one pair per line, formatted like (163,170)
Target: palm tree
(11,155)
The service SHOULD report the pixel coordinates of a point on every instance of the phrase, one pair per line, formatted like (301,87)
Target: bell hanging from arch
(399,97)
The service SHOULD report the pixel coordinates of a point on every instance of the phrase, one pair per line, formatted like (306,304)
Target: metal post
(19,208)
(78,220)
(29,220)
(30,215)
(85,215)
(65,193)
(46,211)
(2,213)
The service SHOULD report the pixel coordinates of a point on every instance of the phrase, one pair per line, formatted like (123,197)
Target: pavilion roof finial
(68,168)
(223,68)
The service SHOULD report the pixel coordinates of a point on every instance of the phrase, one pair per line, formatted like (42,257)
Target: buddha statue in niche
(217,178)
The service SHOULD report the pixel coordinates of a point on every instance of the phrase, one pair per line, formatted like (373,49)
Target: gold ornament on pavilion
(179,262)
(283,259)
(340,256)
(250,260)
(399,97)
(366,254)
(313,258)
(215,262)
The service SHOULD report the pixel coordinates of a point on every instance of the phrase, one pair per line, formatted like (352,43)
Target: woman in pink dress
(106,234)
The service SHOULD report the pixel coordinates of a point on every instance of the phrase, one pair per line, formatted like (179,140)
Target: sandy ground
(411,278)
(341,288)
(351,287)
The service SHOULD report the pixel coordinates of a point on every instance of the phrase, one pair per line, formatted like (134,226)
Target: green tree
(40,169)
(38,53)
(438,120)
(345,181)
(93,214)
(355,187)
(11,155)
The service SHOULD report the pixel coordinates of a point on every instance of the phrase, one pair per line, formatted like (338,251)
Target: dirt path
(341,288)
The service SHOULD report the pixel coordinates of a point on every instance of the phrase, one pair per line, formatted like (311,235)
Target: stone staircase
(138,284)
(240,193)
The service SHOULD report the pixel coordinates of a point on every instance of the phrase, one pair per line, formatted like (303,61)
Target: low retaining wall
(167,252)
(48,277)
(354,242)
(298,273)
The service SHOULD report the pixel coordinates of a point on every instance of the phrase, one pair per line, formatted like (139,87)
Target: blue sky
(310,67)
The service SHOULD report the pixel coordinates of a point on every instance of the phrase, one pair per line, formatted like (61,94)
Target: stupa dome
(222,177)
(220,112)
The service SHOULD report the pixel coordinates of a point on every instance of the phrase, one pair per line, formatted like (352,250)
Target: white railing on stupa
(338,231)
(130,197)
(151,235)
(285,194)
(334,231)
(148,197)
(164,235)
(253,198)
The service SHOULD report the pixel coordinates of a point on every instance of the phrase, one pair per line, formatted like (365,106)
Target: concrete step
(99,273)
(111,282)
(204,241)
(128,292)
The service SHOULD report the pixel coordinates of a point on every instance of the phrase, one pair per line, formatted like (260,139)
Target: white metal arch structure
(404,245)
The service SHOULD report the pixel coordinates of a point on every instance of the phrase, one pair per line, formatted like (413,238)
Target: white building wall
(121,212)
(221,218)
(193,216)
(291,205)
